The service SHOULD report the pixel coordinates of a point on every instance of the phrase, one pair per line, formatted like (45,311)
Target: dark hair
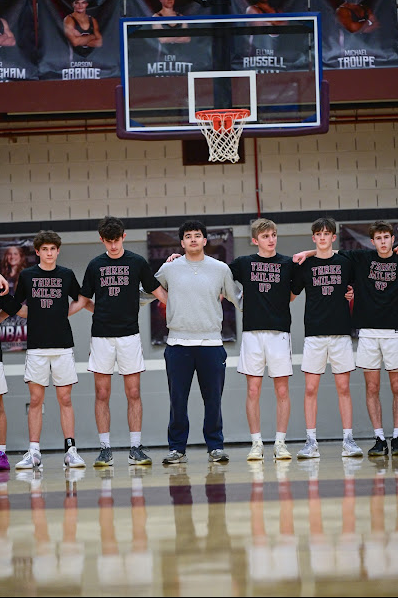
(321,223)
(46,236)
(189,225)
(110,228)
(380,226)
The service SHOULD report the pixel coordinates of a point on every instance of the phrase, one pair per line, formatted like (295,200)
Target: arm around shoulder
(82,302)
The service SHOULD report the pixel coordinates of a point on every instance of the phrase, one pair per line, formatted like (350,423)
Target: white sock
(394,435)
(35,446)
(311,432)
(105,439)
(256,436)
(3,448)
(136,487)
(280,436)
(347,432)
(380,433)
(135,439)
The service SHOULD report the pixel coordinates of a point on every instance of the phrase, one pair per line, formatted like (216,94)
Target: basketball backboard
(173,67)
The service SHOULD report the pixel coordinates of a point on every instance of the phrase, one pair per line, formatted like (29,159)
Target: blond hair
(261,225)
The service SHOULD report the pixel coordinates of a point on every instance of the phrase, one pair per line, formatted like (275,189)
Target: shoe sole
(315,456)
(375,454)
(69,466)
(30,467)
(102,463)
(357,454)
(220,460)
(145,462)
(255,458)
(165,462)
(284,458)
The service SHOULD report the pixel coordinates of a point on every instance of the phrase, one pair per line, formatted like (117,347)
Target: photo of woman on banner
(79,39)
(82,29)
(15,254)
(269,52)
(17,41)
(358,34)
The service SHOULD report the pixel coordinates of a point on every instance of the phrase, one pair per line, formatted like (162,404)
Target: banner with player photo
(79,39)
(16,253)
(359,34)
(161,244)
(356,236)
(270,53)
(168,55)
(18,60)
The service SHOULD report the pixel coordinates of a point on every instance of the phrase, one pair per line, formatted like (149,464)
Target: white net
(222,130)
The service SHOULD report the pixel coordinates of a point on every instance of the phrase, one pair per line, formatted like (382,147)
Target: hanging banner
(270,53)
(358,34)
(356,236)
(161,244)
(168,54)
(16,253)
(79,39)
(18,60)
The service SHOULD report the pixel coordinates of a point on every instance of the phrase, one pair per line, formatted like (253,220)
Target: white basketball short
(3,382)
(260,348)
(61,366)
(335,348)
(371,352)
(125,351)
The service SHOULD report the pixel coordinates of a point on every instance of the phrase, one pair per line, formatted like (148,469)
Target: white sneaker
(257,451)
(30,460)
(280,450)
(73,459)
(309,450)
(350,448)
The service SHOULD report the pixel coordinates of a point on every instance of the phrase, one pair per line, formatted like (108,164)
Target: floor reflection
(320,527)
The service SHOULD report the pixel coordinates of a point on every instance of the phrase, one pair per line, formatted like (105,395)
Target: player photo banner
(360,34)
(270,53)
(18,60)
(16,253)
(168,55)
(161,244)
(79,39)
(356,236)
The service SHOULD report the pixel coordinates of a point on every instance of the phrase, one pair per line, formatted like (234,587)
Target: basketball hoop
(222,130)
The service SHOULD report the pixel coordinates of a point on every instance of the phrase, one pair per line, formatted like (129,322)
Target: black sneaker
(138,457)
(104,458)
(379,449)
(394,447)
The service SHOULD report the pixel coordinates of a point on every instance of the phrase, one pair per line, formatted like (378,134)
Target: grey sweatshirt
(194,310)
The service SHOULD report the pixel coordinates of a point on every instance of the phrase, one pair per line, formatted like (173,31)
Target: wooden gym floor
(323,527)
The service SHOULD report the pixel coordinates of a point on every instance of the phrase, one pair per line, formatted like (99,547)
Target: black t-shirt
(47,295)
(325,281)
(266,291)
(376,289)
(10,306)
(115,283)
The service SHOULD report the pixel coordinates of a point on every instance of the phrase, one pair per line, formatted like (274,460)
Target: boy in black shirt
(326,278)
(47,287)
(266,281)
(114,277)
(375,314)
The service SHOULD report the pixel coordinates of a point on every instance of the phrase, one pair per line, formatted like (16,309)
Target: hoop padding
(222,130)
